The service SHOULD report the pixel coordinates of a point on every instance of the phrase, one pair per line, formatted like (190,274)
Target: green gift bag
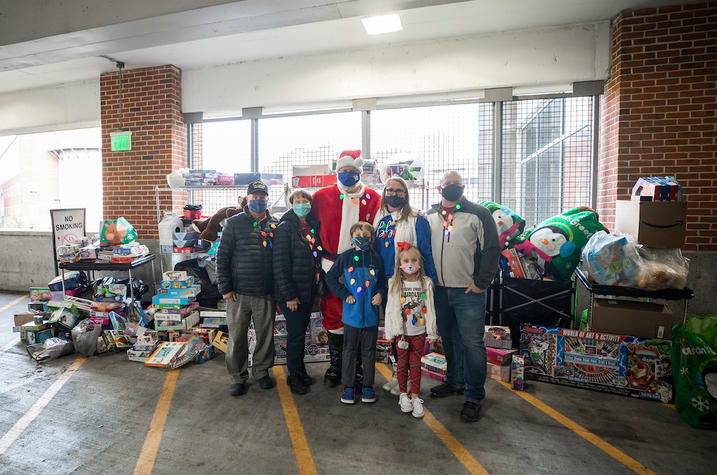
(704,327)
(694,366)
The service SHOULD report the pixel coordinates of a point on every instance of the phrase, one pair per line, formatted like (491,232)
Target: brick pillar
(152,111)
(658,115)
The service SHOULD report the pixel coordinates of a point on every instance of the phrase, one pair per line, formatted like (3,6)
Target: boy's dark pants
(366,337)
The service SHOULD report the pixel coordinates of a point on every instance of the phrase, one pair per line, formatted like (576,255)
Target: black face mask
(395,201)
(452,192)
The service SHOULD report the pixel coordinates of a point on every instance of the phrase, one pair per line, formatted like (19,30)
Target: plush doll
(509,224)
(209,228)
(557,242)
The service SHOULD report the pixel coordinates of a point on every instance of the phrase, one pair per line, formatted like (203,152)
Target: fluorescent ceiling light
(377,25)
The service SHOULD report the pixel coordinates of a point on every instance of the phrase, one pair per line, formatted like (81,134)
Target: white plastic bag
(662,269)
(612,259)
(84,337)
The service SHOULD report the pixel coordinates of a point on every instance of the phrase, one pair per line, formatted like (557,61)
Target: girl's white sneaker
(417,407)
(391,383)
(406,403)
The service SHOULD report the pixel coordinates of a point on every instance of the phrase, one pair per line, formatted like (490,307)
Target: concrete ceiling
(250,30)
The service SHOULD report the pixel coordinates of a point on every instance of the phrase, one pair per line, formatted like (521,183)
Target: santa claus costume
(337,208)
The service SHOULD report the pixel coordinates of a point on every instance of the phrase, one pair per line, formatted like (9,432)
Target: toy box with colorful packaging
(618,364)
(315,342)
(434,366)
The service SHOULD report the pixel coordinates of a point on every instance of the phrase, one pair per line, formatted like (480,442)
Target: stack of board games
(175,303)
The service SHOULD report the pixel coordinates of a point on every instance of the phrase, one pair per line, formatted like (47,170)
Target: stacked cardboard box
(175,303)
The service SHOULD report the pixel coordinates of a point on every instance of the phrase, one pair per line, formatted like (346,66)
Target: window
(224,146)
(42,171)
(439,139)
(547,150)
(288,142)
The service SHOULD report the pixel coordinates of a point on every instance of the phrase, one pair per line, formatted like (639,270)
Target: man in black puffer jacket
(244,278)
(297,253)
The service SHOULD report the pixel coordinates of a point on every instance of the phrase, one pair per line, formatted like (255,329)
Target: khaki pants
(262,310)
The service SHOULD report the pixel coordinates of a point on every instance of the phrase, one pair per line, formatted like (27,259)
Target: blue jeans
(461,324)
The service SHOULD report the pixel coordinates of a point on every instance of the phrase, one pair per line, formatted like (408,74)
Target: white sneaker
(417,407)
(394,388)
(389,384)
(406,403)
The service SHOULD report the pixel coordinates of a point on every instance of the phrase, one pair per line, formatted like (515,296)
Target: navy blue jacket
(358,268)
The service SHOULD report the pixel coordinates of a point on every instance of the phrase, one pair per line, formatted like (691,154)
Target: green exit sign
(121,141)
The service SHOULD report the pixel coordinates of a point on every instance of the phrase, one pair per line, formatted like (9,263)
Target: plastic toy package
(612,259)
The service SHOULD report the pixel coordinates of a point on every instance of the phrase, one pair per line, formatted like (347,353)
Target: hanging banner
(68,227)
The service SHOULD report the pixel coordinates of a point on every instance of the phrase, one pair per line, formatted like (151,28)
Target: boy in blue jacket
(358,278)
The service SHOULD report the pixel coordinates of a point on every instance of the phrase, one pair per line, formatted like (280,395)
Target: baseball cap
(256,187)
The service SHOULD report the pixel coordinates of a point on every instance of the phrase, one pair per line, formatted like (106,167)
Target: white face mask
(409,268)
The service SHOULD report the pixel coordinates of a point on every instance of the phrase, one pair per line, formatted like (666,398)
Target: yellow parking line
(671,406)
(608,448)
(302,452)
(14,302)
(19,427)
(445,436)
(148,454)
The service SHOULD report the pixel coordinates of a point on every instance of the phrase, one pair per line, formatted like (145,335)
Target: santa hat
(350,158)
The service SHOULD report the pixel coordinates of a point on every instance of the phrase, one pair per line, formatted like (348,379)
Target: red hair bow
(403,246)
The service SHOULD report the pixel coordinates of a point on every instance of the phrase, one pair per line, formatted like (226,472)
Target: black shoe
(306,379)
(237,389)
(471,411)
(332,378)
(266,382)
(445,389)
(296,384)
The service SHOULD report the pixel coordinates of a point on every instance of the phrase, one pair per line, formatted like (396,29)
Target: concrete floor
(98,421)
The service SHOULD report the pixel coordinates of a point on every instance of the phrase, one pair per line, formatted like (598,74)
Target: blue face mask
(258,206)
(349,178)
(301,209)
(362,242)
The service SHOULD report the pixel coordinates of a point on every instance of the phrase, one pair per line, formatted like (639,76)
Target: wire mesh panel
(440,139)
(547,150)
(286,142)
(226,148)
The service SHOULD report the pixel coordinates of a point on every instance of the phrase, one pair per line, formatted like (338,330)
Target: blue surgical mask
(349,178)
(258,206)
(362,242)
(301,209)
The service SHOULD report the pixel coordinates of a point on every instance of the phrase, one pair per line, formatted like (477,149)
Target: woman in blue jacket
(401,223)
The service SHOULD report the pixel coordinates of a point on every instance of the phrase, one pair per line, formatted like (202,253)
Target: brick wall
(152,111)
(658,112)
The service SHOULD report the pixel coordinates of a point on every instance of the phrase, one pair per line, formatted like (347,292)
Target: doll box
(618,364)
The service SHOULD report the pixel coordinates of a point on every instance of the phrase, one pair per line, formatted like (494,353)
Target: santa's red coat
(326,208)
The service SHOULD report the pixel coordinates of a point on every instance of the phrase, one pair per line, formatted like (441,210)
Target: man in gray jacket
(466,250)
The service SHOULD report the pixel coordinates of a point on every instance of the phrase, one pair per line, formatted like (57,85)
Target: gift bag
(117,232)
(694,365)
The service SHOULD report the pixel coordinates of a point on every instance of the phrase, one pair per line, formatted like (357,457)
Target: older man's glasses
(394,191)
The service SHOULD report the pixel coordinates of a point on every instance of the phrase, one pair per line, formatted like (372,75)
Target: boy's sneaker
(405,403)
(391,383)
(445,389)
(367,395)
(417,407)
(471,411)
(265,382)
(347,397)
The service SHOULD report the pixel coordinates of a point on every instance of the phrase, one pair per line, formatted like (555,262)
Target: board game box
(618,364)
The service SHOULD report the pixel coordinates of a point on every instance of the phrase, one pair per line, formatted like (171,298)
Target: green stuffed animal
(557,242)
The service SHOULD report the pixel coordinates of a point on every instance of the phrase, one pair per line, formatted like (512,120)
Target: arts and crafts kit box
(619,364)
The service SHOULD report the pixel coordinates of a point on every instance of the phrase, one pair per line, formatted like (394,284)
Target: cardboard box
(641,319)
(23,318)
(220,342)
(618,364)
(168,325)
(658,224)
(497,337)
(499,356)
(312,181)
(499,373)
(172,300)
(432,374)
(166,355)
(435,362)
(517,373)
